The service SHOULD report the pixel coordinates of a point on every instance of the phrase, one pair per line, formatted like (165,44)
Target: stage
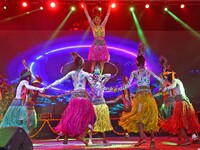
(162,143)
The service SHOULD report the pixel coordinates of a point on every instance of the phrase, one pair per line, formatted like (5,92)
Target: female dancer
(167,107)
(98,51)
(126,98)
(79,113)
(102,123)
(144,113)
(183,119)
(16,114)
(30,102)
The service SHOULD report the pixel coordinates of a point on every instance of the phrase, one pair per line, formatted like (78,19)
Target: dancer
(167,107)
(144,113)
(98,51)
(103,122)
(126,98)
(183,120)
(30,102)
(16,114)
(79,114)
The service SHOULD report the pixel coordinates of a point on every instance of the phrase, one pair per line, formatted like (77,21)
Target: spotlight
(24,4)
(99,8)
(53,4)
(182,6)
(73,8)
(147,6)
(41,7)
(131,9)
(113,5)
(4,7)
(82,5)
(165,9)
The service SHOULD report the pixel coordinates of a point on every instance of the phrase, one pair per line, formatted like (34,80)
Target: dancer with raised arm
(79,114)
(16,114)
(98,51)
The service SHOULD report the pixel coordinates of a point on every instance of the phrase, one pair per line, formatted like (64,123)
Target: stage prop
(14,138)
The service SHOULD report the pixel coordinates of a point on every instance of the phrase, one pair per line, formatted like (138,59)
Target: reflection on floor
(162,143)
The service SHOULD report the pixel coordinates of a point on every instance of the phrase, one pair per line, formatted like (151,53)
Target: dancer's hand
(53,98)
(165,89)
(113,89)
(42,90)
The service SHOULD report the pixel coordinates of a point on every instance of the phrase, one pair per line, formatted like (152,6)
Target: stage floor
(162,143)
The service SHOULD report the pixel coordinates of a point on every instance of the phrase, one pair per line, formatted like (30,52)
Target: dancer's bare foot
(152,143)
(65,140)
(57,138)
(186,142)
(140,142)
(105,141)
(83,140)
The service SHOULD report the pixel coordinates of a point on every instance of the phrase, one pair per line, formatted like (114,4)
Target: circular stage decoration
(108,68)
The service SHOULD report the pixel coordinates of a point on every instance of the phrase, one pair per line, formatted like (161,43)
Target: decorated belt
(99,41)
(17,102)
(181,98)
(80,93)
(98,101)
(143,89)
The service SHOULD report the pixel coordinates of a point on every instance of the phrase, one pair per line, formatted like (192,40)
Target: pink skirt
(76,117)
(99,51)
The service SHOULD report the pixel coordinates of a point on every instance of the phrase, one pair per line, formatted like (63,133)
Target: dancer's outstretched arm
(127,85)
(114,100)
(106,78)
(88,16)
(107,16)
(59,81)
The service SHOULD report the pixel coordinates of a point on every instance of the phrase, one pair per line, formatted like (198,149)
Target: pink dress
(98,50)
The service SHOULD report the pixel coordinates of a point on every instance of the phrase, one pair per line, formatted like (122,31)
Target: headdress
(78,60)
(141,49)
(38,79)
(97,70)
(168,73)
(96,12)
(163,62)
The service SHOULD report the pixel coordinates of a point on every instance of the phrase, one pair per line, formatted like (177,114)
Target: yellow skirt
(144,110)
(103,122)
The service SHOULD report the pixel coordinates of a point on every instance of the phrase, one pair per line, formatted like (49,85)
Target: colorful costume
(167,107)
(126,98)
(79,112)
(30,102)
(102,123)
(98,50)
(32,115)
(77,116)
(183,114)
(144,107)
(16,114)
